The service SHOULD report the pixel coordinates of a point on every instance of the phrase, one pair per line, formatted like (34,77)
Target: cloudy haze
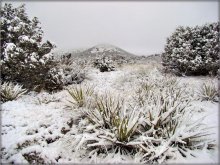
(138,27)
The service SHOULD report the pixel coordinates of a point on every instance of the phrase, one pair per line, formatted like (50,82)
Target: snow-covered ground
(38,126)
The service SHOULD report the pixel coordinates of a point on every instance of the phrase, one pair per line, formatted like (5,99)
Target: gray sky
(138,27)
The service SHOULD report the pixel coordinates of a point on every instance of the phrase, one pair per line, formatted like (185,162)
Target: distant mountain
(114,52)
(104,50)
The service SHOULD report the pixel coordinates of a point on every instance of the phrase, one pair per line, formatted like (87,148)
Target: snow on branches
(193,50)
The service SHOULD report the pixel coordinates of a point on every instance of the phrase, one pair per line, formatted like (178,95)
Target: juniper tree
(193,50)
(24,57)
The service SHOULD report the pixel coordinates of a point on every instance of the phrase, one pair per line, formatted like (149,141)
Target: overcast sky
(138,27)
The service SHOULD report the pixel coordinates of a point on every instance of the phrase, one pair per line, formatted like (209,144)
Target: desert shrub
(66,59)
(10,91)
(208,92)
(127,126)
(193,50)
(104,64)
(24,58)
(64,74)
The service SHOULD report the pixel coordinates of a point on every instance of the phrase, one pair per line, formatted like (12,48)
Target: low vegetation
(10,91)
(104,64)
(80,94)
(208,92)
(157,125)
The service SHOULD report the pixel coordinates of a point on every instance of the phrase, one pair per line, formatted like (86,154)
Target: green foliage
(127,126)
(104,64)
(24,58)
(80,94)
(193,50)
(109,107)
(10,91)
(109,114)
(208,92)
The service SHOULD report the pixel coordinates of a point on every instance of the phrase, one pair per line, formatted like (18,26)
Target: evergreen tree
(193,50)
(24,58)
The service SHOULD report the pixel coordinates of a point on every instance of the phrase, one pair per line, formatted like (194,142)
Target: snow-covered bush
(66,59)
(24,58)
(208,91)
(66,72)
(10,91)
(104,64)
(193,50)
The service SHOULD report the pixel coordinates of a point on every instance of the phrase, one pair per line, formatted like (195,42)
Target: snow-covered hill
(104,50)
(111,51)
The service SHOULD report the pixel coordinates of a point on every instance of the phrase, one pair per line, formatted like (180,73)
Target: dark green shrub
(24,58)
(193,50)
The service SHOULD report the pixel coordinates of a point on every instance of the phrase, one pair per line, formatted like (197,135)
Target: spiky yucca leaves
(105,110)
(208,91)
(98,139)
(79,94)
(187,135)
(163,104)
(168,123)
(10,91)
(113,126)
(159,128)
(162,111)
(109,107)
(127,126)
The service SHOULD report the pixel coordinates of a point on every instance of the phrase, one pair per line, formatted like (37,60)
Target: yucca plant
(168,124)
(186,136)
(122,132)
(166,81)
(208,92)
(105,111)
(109,107)
(79,94)
(115,125)
(162,112)
(158,128)
(147,86)
(10,91)
(126,126)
